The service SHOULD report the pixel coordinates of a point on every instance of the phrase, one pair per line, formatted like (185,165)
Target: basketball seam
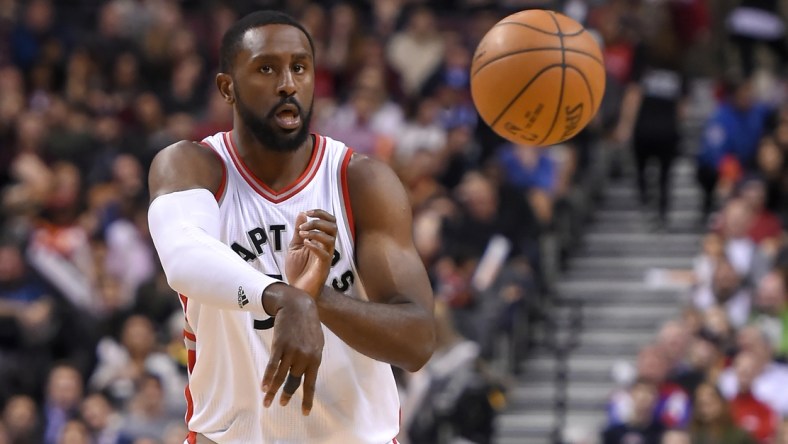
(534,28)
(588,85)
(546,48)
(517,96)
(563,80)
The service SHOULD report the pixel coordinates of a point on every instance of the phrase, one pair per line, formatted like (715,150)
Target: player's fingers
(292,382)
(297,239)
(321,214)
(310,378)
(320,225)
(270,369)
(279,378)
(318,249)
(318,236)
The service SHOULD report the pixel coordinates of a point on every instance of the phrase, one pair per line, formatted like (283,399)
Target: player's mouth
(288,117)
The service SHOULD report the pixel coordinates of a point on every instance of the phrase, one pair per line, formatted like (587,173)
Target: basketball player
(267,232)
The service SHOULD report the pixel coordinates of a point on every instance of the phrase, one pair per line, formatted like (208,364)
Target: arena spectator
(22,421)
(101,418)
(672,408)
(416,51)
(765,228)
(771,312)
(122,365)
(64,393)
(705,361)
(770,375)
(712,420)
(641,426)
(730,140)
(750,414)
(148,415)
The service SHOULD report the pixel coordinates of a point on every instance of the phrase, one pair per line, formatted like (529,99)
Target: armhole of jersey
(346,193)
(219,194)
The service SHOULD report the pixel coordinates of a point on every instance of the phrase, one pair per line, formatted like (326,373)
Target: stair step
(605,216)
(630,192)
(547,363)
(639,247)
(606,274)
(616,337)
(682,226)
(621,262)
(619,310)
(517,425)
(643,322)
(598,291)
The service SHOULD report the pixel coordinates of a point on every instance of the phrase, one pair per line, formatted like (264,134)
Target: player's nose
(286,86)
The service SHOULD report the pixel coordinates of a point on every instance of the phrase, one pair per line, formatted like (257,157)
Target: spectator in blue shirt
(732,132)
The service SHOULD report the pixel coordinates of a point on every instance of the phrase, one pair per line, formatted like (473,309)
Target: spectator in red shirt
(748,412)
(765,224)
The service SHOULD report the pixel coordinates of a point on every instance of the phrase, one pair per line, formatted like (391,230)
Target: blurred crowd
(718,373)
(91,347)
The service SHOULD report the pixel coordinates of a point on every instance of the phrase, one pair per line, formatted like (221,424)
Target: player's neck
(276,169)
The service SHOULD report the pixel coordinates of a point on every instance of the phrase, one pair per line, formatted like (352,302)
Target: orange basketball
(537,77)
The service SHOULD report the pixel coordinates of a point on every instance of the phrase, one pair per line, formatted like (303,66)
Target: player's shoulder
(375,191)
(185,165)
(367,173)
(189,152)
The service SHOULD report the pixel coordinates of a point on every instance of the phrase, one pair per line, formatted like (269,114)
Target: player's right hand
(296,350)
(311,251)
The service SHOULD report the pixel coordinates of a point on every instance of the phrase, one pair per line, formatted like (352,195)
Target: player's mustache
(284,101)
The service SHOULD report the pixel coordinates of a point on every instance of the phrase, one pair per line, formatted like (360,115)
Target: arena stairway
(605,307)
(604,297)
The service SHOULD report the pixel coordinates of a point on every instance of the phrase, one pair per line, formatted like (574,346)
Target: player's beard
(267,132)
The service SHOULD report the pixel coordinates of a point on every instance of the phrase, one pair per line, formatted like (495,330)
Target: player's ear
(225,84)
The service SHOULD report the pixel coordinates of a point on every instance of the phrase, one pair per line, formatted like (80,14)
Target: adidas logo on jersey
(242,299)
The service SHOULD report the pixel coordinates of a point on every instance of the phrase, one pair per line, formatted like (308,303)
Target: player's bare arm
(396,325)
(188,174)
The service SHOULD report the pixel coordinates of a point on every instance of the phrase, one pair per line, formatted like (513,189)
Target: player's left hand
(311,251)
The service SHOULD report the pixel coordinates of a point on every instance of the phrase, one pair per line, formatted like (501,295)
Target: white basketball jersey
(356,397)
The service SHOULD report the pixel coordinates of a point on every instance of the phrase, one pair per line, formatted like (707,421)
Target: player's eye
(266,69)
(299,68)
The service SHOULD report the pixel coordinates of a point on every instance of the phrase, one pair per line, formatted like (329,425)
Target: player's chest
(262,234)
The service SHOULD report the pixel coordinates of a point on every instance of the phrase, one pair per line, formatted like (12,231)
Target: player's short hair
(231,41)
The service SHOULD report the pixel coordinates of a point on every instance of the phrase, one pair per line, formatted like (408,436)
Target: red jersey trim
(219,194)
(346,192)
(309,173)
